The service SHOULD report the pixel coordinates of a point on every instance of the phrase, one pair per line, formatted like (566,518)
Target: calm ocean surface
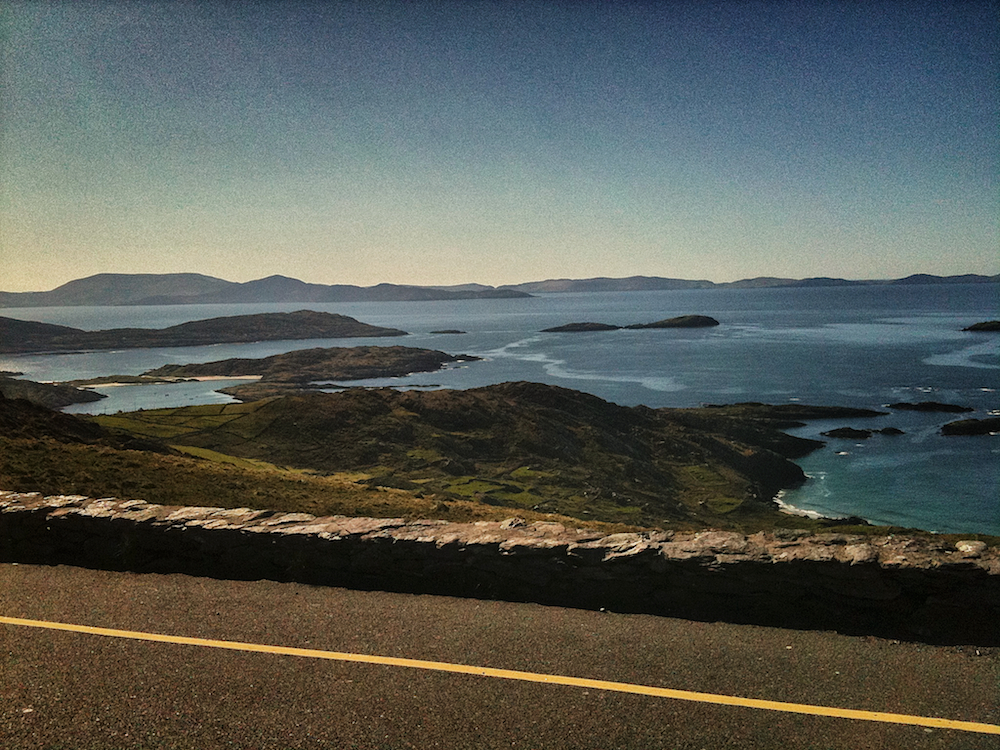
(853,346)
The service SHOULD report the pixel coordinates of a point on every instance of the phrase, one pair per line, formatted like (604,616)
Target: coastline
(793,510)
(167,381)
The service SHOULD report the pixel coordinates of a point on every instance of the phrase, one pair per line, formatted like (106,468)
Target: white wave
(557,368)
(794,511)
(964,357)
(509,350)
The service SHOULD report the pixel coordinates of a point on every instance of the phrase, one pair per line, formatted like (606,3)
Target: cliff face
(892,586)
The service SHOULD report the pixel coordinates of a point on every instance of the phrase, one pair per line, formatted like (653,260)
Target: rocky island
(854,433)
(300,369)
(683,321)
(987,326)
(931,407)
(581,328)
(21,337)
(987,426)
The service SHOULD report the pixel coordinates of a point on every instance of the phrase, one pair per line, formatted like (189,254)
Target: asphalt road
(81,691)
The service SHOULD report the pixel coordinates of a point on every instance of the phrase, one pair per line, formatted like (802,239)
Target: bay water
(864,346)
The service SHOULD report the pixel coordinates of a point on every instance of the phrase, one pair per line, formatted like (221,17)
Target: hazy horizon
(442,143)
(474,282)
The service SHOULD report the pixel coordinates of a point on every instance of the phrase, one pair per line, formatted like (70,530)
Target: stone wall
(918,588)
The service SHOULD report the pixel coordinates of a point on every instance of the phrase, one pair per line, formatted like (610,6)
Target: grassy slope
(55,453)
(521,446)
(413,468)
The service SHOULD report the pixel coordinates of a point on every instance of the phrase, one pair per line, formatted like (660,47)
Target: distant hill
(603,284)
(117,289)
(110,289)
(652,283)
(968,278)
(26,336)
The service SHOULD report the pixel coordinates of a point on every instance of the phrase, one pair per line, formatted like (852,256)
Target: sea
(863,346)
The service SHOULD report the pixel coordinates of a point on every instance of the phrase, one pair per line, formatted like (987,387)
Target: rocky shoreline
(909,587)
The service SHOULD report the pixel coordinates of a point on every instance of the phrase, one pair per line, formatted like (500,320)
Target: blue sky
(440,143)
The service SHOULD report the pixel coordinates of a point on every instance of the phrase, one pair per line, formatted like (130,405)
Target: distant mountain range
(191,288)
(651,283)
(197,289)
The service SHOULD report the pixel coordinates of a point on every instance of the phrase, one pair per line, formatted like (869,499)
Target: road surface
(66,689)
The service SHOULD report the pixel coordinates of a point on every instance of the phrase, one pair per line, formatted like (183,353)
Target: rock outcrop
(893,586)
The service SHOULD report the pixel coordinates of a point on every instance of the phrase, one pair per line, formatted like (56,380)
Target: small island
(682,321)
(854,433)
(931,406)
(581,328)
(988,426)
(987,326)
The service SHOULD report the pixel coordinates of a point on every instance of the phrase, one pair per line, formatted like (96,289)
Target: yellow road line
(507,674)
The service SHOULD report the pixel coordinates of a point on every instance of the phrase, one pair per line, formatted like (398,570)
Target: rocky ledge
(917,588)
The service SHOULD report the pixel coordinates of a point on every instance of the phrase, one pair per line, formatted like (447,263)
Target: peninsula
(526,447)
(52,395)
(21,337)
